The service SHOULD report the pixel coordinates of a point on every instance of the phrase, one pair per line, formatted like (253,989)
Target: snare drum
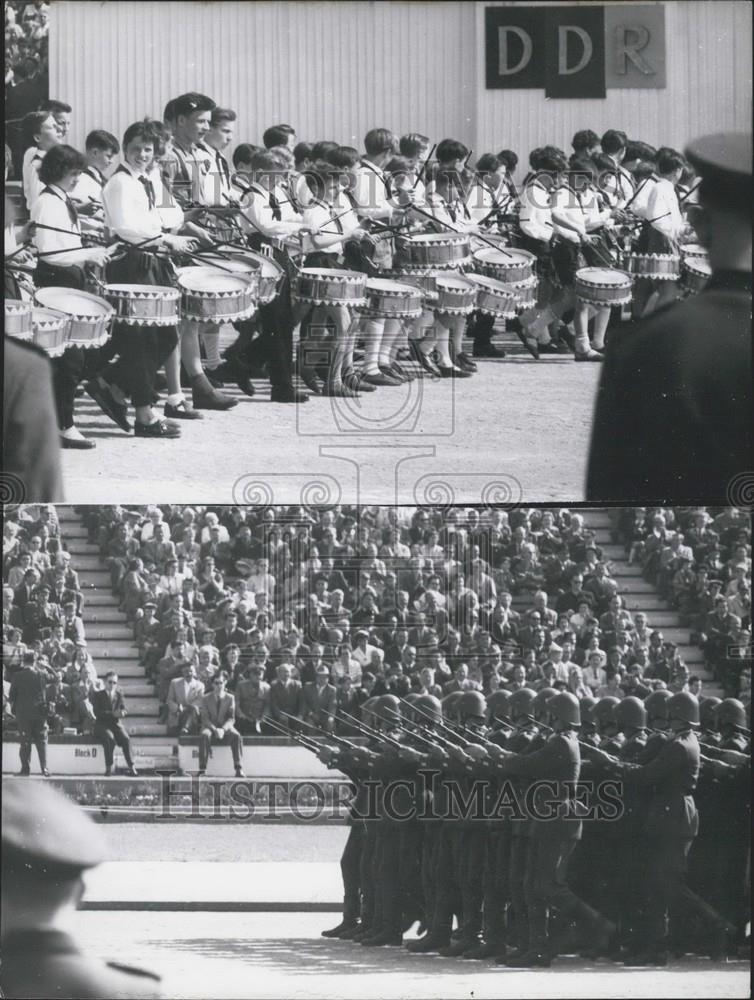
(391,300)
(18,319)
(212,296)
(319,286)
(493,297)
(658,266)
(510,266)
(693,250)
(433,250)
(423,278)
(269,273)
(90,315)
(50,330)
(603,286)
(456,296)
(144,305)
(696,272)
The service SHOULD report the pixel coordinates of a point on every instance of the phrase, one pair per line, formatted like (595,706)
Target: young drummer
(301,194)
(576,217)
(101,149)
(189,119)
(57,237)
(41,132)
(661,230)
(269,219)
(132,215)
(614,145)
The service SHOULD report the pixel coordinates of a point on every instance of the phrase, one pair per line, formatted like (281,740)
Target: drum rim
(19,307)
(692,264)
(446,238)
(244,281)
(121,289)
(527,256)
(628,279)
(334,274)
(405,290)
(59,317)
(482,279)
(106,310)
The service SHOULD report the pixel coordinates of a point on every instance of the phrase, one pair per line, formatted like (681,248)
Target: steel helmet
(521,705)
(602,713)
(542,697)
(368,710)
(498,705)
(409,700)
(708,713)
(472,705)
(388,708)
(564,707)
(731,712)
(684,707)
(450,704)
(428,705)
(587,704)
(630,713)
(656,705)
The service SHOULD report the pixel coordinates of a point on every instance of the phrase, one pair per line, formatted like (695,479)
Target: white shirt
(169,210)
(51,209)
(581,209)
(535,217)
(258,214)
(664,209)
(89,186)
(128,213)
(623,187)
(640,204)
(32,185)
(372,192)
(480,202)
(216,178)
(321,215)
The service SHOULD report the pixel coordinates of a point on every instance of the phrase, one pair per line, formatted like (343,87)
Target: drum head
(73,302)
(511,258)
(454,284)
(208,279)
(269,267)
(385,285)
(603,276)
(235,264)
(698,266)
(493,284)
(693,250)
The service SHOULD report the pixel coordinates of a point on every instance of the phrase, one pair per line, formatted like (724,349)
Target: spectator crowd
(304,613)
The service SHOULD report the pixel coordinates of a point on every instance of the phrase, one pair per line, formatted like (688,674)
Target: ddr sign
(575,51)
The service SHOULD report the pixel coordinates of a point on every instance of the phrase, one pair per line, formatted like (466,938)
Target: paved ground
(519,429)
(234,955)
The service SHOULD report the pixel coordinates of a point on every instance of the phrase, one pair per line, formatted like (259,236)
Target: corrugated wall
(335,69)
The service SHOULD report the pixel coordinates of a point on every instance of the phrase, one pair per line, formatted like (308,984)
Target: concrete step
(650,603)
(101,598)
(138,688)
(105,630)
(103,615)
(88,561)
(636,587)
(113,648)
(96,578)
(143,709)
(123,667)
(150,729)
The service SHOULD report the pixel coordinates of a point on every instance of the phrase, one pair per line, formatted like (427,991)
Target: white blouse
(64,248)
(535,217)
(320,215)
(663,209)
(128,213)
(581,209)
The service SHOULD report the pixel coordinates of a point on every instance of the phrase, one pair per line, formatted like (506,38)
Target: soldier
(28,702)
(671,824)
(686,423)
(48,842)
(553,837)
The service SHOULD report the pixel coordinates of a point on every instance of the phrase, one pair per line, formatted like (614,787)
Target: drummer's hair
(399,165)
(379,140)
(220,115)
(488,163)
(613,141)
(322,147)
(100,139)
(188,104)
(668,162)
(168,114)
(264,161)
(535,156)
(148,129)
(643,169)
(666,151)
(283,155)
(550,159)
(53,107)
(277,135)
(509,158)
(302,151)
(31,126)
(601,160)
(244,153)
(345,157)
(411,144)
(638,150)
(59,161)
(449,150)
(584,139)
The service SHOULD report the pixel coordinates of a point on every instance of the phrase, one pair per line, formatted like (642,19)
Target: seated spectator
(184,698)
(319,700)
(217,722)
(252,702)
(286,696)
(109,709)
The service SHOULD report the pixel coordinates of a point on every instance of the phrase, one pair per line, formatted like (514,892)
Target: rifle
(330,736)
(296,737)
(368,731)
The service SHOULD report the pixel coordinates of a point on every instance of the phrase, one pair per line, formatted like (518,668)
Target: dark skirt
(567,259)
(651,240)
(139,268)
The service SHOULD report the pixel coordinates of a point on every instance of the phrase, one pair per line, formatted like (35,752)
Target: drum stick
(424,166)
(658,217)
(23,246)
(690,192)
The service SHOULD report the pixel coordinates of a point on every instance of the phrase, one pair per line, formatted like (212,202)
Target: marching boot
(349,934)
(386,937)
(529,960)
(485,949)
(429,943)
(457,948)
(206,397)
(464,361)
(364,931)
(335,932)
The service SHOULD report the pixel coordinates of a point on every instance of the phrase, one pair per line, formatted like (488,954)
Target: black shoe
(108,772)
(159,429)
(206,397)
(381,378)
(355,380)
(450,371)
(213,377)
(457,948)
(464,361)
(392,373)
(589,355)
(103,397)
(45,773)
(423,359)
(202,771)
(24,772)
(82,445)
(182,411)
(383,938)
(132,772)
(239,772)
(349,934)
(487,351)
(361,933)
(530,960)
(401,372)
(287,394)
(427,944)
(551,348)
(344,925)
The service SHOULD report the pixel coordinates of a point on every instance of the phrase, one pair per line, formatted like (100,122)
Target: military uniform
(679,388)
(46,838)
(28,701)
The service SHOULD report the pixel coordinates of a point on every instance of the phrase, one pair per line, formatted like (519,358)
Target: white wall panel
(335,69)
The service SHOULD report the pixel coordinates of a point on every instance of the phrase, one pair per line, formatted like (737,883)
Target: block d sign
(575,51)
